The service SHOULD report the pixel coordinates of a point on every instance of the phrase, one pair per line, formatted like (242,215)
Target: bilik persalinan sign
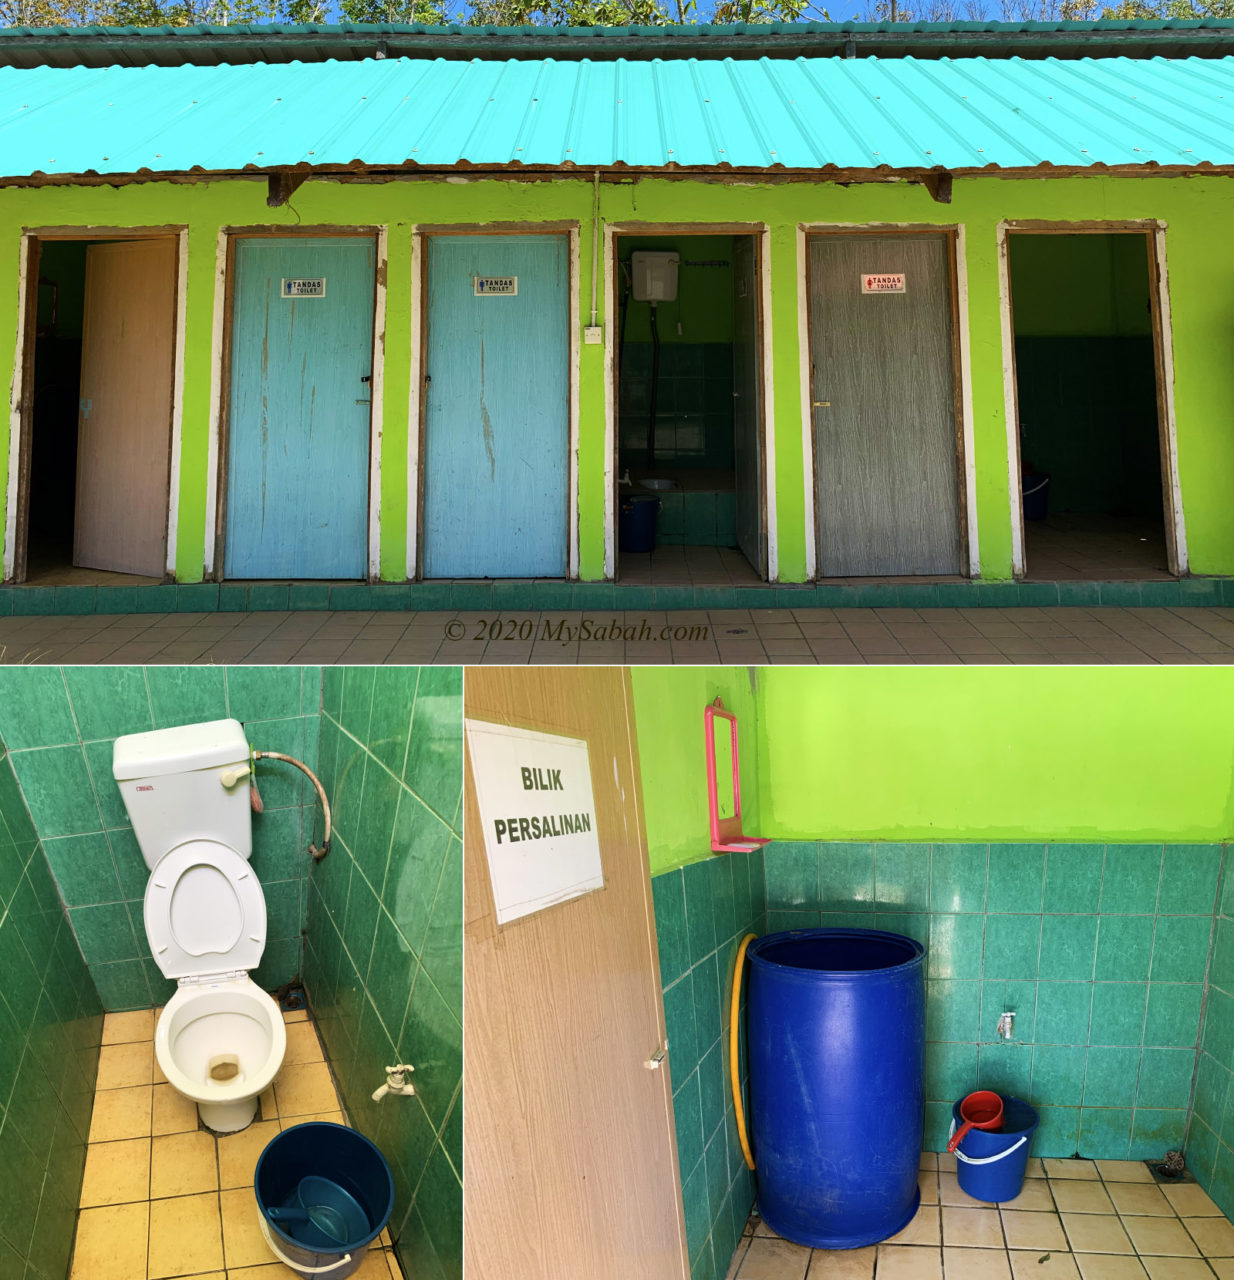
(538,816)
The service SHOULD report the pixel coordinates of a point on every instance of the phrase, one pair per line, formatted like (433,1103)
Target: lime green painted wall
(1026,753)
(1201,267)
(668,708)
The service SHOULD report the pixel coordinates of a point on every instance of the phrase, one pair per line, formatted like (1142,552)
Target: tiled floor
(163,1197)
(698,566)
(1094,548)
(1069,635)
(1074,1220)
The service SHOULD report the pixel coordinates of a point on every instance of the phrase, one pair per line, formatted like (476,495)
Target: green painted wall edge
(1194,210)
(1075,754)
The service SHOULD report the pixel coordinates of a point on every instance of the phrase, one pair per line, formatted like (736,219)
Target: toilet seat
(205,913)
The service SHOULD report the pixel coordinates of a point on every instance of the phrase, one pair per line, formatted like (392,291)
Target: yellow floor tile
(239,1152)
(111,1243)
(116,1172)
(1035,1168)
(1096,1233)
(946,1162)
(1124,1171)
(1085,1169)
(295,1015)
(1034,1195)
(924,1229)
(243,1243)
(376,1266)
(269,1269)
(1215,1236)
(303,1088)
(1137,1198)
(183,1164)
(1177,1269)
(976,1264)
(123,1065)
(314,1117)
(1033,1265)
(770,1258)
(121,1113)
(124,1028)
(973,1228)
(1081,1197)
(185,1236)
(1106,1266)
(1026,1230)
(905,1262)
(302,1044)
(173,1112)
(927,1181)
(1191,1201)
(1224,1267)
(1160,1236)
(851,1264)
(268,1105)
(929,1160)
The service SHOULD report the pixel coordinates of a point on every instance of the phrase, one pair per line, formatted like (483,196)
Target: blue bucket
(347,1159)
(636,522)
(991,1166)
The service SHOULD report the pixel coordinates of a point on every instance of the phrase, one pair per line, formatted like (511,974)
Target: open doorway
(1089,416)
(690,409)
(97,407)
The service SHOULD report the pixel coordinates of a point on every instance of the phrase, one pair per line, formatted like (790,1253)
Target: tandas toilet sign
(538,816)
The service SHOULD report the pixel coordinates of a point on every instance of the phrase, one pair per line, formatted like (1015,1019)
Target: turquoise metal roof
(798,114)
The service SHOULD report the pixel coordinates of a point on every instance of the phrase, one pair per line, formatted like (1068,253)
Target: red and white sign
(883,284)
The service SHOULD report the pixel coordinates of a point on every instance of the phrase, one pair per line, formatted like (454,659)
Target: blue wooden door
(299,422)
(497,407)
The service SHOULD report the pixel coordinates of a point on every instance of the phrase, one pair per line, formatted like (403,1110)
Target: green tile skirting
(525,596)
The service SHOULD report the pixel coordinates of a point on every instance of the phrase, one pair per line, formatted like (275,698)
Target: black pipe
(655,389)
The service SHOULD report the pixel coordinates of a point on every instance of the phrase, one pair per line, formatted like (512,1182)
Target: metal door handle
(822,404)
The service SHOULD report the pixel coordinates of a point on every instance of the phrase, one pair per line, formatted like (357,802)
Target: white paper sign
(883,284)
(538,816)
(495,286)
(314,287)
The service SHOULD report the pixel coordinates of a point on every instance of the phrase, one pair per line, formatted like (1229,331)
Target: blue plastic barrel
(991,1166)
(346,1158)
(836,1035)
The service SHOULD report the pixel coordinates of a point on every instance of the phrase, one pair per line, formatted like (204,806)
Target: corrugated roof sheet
(804,114)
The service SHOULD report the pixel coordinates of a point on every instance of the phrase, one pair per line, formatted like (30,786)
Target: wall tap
(1006,1026)
(396,1082)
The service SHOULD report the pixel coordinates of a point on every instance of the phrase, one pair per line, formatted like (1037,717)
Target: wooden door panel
(569,1150)
(124,424)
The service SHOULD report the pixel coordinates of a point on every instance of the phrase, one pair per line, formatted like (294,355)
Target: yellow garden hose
(734,1060)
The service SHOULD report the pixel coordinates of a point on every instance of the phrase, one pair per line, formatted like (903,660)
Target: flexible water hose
(317,853)
(734,1062)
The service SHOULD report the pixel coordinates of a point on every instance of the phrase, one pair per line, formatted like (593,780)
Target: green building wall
(1200,257)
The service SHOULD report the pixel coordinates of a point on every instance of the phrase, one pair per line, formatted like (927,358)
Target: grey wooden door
(747,405)
(884,406)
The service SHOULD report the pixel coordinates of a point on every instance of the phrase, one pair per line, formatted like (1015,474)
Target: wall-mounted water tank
(654,275)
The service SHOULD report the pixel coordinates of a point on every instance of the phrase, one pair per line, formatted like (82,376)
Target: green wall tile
(955,946)
(434,767)
(83,869)
(433,1033)
(791,873)
(1016,877)
(1058,1131)
(34,708)
(394,693)
(902,876)
(1156,1131)
(187,695)
(106,792)
(952,1009)
(1073,878)
(1124,947)
(1015,997)
(1189,876)
(951,1071)
(1011,946)
(1105,1132)
(378,808)
(1173,1017)
(1110,1076)
(1006,1068)
(1180,948)
(958,877)
(1132,877)
(1068,946)
(1118,1013)
(1063,1012)
(57,788)
(1165,1078)
(109,701)
(442,954)
(846,876)
(105,933)
(264,693)
(1058,1075)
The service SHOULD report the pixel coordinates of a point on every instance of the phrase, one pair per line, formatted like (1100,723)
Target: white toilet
(220,1040)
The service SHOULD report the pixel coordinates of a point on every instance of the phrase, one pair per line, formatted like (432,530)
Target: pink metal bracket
(726,834)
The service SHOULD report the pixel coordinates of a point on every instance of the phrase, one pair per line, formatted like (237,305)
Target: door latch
(368,377)
(822,404)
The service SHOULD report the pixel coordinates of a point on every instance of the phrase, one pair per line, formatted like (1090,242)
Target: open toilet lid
(205,912)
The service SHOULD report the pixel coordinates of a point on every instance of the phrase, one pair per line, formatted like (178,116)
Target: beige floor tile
(268,1105)
(185,1236)
(243,1243)
(848,1264)
(116,1172)
(1034,1195)
(927,1182)
(173,1112)
(183,1164)
(1124,1171)
(1223,1267)
(946,1162)
(1108,1266)
(303,1088)
(122,1065)
(270,1269)
(313,1117)
(1160,1236)
(929,1160)
(1215,1236)
(1081,1197)
(1191,1201)
(975,1264)
(302,1044)
(770,1258)
(1097,1233)
(1035,1168)
(238,1153)
(1026,1230)
(925,1228)
(1070,1169)
(1177,1269)
(1139,1198)
(972,1228)
(111,1243)
(121,1113)
(1033,1265)
(949,1192)
(124,1028)
(376,1266)
(295,1015)
(906,1262)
